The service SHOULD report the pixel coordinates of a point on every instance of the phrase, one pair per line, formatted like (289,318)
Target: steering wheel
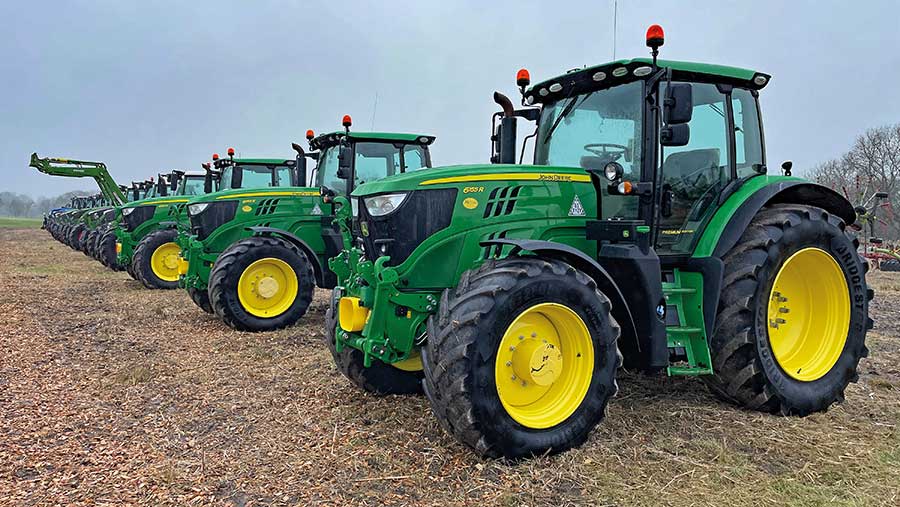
(606,152)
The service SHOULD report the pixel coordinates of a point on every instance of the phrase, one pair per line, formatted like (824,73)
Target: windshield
(191,185)
(372,161)
(593,129)
(256,176)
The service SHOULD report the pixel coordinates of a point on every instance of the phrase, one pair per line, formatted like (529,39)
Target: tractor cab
(665,144)
(238,173)
(348,159)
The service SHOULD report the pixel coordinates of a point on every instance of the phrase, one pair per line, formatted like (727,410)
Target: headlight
(613,171)
(127,211)
(196,209)
(381,205)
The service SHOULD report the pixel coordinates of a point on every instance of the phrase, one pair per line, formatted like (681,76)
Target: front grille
(212,218)
(422,214)
(501,201)
(267,207)
(138,216)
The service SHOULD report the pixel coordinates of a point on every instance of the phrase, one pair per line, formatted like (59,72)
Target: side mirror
(207,183)
(161,187)
(678,106)
(675,135)
(237,176)
(345,159)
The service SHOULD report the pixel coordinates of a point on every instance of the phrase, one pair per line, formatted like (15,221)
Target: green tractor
(648,231)
(254,257)
(97,207)
(145,235)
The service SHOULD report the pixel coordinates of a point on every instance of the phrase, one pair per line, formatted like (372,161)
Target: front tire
(200,297)
(793,313)
(106,251)
(261,284)
(155,260)
(521,359)
(380,378)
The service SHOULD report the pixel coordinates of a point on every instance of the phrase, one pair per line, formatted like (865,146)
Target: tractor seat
(687,171)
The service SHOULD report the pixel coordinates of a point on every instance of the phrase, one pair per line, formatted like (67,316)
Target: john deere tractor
(254,257)
(99,208)
(648,231)
(145,237)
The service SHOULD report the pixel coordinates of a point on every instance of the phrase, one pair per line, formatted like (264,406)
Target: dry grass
(112,394)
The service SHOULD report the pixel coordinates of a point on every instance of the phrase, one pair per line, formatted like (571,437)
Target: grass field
(113,394)
(20,223)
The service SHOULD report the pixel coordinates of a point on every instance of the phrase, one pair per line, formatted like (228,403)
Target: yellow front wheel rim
(808,314)
(544,365)
(164,262)
(412,363)
(268,287)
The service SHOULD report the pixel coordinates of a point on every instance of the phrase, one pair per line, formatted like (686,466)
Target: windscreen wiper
(567,110)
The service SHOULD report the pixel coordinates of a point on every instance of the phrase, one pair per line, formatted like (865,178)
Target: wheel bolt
(509,363)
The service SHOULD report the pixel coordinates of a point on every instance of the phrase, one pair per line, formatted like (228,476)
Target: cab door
(693,176)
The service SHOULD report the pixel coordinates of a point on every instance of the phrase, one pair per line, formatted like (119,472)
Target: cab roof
(330,139)
(623,71)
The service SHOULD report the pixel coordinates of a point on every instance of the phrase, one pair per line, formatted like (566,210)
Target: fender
(299,243)
(620,310)
(783,192)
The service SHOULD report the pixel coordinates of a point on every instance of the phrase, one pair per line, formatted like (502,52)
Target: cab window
(695,174)
(747,133)
(192,186)
(593,129)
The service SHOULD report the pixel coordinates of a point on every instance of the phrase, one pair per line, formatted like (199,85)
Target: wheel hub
(537,362)
(267,287)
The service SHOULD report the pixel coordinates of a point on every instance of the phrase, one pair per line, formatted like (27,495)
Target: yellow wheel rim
(268,287)
(164,262)
(412,363)
(544,365)
(808,314)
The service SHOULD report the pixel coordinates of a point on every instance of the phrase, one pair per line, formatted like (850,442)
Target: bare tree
(871,165)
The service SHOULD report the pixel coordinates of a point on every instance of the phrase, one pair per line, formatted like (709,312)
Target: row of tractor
(647,233)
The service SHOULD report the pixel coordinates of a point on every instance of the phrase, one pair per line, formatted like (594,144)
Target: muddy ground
(113,394)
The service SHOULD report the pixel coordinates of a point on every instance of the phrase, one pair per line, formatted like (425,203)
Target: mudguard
(783,192)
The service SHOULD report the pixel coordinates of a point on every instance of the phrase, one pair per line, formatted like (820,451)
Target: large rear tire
(793,313)
(155,260)
(379,378)
(261,284)
(521,359)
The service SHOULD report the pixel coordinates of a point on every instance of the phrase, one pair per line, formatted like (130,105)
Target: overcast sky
(152,86)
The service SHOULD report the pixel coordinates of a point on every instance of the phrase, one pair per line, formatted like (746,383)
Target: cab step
(688,348)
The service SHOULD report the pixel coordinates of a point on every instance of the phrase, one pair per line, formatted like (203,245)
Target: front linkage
(401,315)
